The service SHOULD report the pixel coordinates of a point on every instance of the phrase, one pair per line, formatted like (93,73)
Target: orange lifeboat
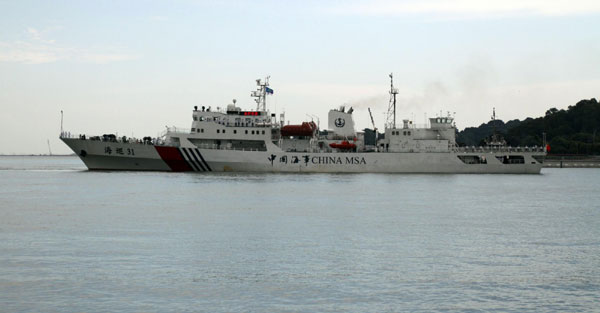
(344,145)
(306,129)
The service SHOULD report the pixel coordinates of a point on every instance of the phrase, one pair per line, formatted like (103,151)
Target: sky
(134,67)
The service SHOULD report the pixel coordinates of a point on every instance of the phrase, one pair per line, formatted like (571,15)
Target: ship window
(193,129)
(409,132)
(195,118)
(473,159)
(252,132)
(201,118)
(235,131)
(223,131)
(511,159)
(246,132)
(263,132)
(197,130)
(218,131)
(404,133)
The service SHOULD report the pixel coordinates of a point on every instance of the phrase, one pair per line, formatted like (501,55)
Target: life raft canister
(344,145)
(306,129)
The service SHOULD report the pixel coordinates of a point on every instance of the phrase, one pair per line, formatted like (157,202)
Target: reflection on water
(74,240)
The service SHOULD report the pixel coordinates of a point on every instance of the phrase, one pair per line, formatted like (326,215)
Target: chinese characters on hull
(317,160)
(119,151)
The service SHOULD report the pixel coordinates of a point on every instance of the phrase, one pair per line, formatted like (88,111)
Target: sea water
(72,240)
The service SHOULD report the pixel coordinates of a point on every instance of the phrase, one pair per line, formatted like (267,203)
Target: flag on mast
(269,90)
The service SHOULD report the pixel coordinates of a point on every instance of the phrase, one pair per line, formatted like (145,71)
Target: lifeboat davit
(344,145)
(306,129)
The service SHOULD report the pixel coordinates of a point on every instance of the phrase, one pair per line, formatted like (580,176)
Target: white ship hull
(101,155)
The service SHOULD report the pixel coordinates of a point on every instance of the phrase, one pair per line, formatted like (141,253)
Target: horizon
(134,67)
(458,130)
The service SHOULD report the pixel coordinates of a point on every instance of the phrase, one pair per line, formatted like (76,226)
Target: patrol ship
(236,140)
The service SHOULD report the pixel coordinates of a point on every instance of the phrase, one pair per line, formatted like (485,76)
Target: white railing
(157,141)
(181,130)
(499,149)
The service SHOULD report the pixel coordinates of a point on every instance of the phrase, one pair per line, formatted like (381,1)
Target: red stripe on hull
(172,156)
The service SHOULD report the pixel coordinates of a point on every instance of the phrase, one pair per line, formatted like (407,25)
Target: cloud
(468,8)
(159,18)
(30,53)
(34,33)
(36,49)
(103,58)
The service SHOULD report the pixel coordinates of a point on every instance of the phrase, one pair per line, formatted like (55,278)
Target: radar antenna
(390,121)
(261,93)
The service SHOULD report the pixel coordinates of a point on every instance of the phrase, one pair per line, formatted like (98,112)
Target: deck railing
(181,130)
(485,149)
(156,141)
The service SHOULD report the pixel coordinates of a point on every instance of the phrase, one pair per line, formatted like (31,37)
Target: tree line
(571,131)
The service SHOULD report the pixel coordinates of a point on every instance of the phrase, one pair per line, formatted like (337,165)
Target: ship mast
(391,113)
(261,93)
(494,121)
(495,140)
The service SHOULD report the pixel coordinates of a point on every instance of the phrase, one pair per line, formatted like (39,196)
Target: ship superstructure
(233,139)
